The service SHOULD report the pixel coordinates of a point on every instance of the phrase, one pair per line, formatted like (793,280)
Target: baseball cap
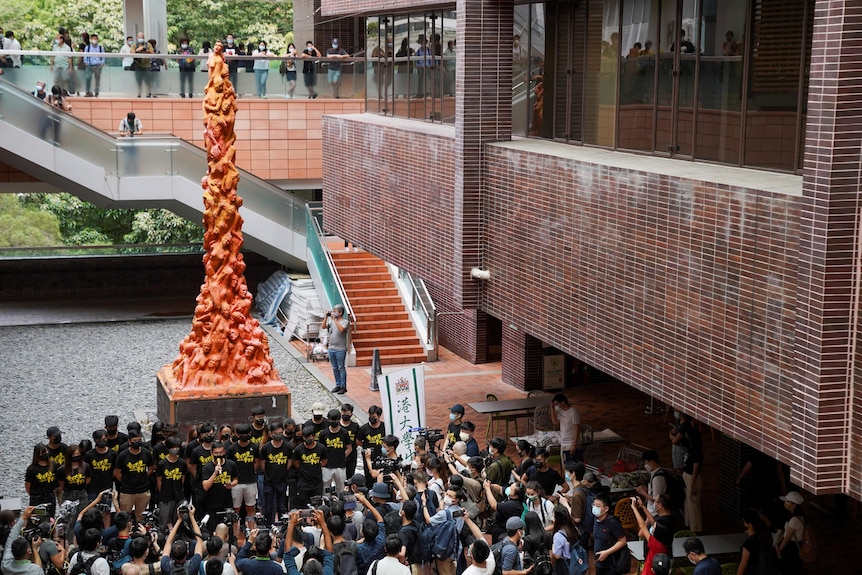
(661,563)
(793,497)
(357,479)
(317,409)
(457,408)
(513,523)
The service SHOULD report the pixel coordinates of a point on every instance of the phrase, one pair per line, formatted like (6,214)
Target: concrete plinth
(228,404)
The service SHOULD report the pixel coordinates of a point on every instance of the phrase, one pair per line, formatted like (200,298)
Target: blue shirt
(708,566)
(94,60)
(254,565)
(290,562)
(368,552)
(193,565)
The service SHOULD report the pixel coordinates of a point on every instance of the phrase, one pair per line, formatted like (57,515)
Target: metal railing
(322,268)
(99,250)
(421,303)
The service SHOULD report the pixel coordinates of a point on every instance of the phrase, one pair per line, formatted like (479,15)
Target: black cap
(358,479)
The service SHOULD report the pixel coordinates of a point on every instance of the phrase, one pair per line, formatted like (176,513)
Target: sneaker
(335,389)
(341,390)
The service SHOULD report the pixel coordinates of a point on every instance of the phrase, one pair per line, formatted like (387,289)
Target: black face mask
(289,436)
(134,445)
(43,457)
(345,418)
(333,423)
(260,420)
(101,443)
(57,439)
(277,436)
(207,438)
(309,440)
(225,436)
(76,458)
(174,451)
(373,419)
(244,437)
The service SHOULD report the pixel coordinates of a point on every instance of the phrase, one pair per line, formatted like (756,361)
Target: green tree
(35,22)
(83,223)
(163,227)
(22,226)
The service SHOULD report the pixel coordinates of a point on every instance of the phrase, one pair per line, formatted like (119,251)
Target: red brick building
(667,191)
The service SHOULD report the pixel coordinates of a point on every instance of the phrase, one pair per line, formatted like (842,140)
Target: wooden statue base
(230,404)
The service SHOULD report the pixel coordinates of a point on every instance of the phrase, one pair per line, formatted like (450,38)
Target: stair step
(386,331)
(393,359)
(356,284)
(363,292)
(375,340)
(373,301)
(362,307)
(384,316)
(353,265)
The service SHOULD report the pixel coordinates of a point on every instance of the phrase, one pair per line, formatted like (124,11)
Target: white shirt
(389,566)
(487,570)
(568,419)
(100,565)
(126,49)
(124,125)
(227,568)
(13,44)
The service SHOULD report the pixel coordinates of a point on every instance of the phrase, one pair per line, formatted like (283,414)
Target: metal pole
(375,370)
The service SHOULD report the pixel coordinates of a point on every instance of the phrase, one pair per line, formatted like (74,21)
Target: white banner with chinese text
(402,395)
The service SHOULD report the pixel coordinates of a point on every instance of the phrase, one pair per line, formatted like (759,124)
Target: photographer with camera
(219,477)
(21,556)
(451,511)
(323,560)
(387,462)
(130,126)
(309,459)
(261,563)
(336,326)
(175,557)
(88,560)
(370,548)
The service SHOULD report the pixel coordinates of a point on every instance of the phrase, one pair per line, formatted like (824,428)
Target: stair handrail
(322,267)
(421,303)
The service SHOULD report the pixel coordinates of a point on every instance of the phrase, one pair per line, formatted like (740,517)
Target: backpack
(542,563)
(417,554)
(675,489)
(497,550)
(808,545)
(767,561)
(178,569)
(345,559)
(588,519)
(81,567)
(445,539)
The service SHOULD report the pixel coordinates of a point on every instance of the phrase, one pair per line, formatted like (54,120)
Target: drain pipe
(480,274)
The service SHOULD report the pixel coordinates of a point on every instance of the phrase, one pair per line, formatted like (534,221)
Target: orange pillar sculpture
(226,356)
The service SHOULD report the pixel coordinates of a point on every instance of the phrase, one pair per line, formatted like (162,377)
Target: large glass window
(411,65)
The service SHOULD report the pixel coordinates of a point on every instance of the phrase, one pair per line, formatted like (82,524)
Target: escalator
(140,172)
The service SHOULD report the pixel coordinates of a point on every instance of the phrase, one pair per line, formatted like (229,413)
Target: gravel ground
(73,375)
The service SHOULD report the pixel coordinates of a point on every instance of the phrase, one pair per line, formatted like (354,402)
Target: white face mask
(184,46)
(648,467)
(335,44)
(464,436)
(262,48)
(447,501)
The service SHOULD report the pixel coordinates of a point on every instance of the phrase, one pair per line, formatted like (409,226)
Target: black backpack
(345,559)
(497,550)
(675,489)
(81,567)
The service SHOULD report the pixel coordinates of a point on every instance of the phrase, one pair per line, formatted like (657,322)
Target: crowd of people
(331,496)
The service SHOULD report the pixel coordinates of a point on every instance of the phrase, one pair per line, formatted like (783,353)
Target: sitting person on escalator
(130,126)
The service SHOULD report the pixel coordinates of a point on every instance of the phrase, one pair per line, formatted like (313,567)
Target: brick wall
(11,174)
(276,139)
(374,7)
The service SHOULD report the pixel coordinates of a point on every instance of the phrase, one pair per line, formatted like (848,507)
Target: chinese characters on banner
(402,395)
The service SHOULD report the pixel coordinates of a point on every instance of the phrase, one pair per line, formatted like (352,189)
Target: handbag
(621,561)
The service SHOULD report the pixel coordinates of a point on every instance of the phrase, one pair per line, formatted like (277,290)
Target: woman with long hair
(40,479)
(566,536)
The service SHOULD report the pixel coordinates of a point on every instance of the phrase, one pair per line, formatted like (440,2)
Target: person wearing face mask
(246,456)
(677,439)
(309,74)
(261,68)
(39,92)
(333,73)
(509,546)
(128,48)
(338,446)
(74,477)
(231,49)
(170,476)
(275,457)
(548,478)
(466,435)
(500,467)
(566,417)
(200,456)
(656,530)
(609,537)
(62,65)
(115,437)
(657,483)
(539,504)
(453,429)
(40,479)
(142,65)
(510,506)
(317,421)
(101,461)
(188,65)
(696,554)
(219,476)
(132,474)
(309,459)
(287,69)
(371,434)
(93,65)
(451,503)
(56,447)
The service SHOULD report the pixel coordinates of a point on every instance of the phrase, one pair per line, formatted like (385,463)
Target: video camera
(105,503)
(431,435)
(150,520)
(183,510)
(387,465)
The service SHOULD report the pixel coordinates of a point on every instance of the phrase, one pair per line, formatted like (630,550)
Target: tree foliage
(163,227)
(35,22)
(247,20)
(22,226)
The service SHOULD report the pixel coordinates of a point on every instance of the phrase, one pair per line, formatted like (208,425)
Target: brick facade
(374,7)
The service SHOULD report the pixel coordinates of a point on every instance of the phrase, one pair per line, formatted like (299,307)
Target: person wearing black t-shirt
(691,475)
(352,429)
(548,478)
(132,472)
(316,421)
(338,447)
(246,455)
(40,479)
(101,461)
(511,506)
(170,475)
(309,458)
(275,457)
(259,436)
(453,430)
(371,434)
(115,438)
(56,447)
(201,455)
(219,476)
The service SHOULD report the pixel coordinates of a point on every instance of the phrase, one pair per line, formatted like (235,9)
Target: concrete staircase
(382,322)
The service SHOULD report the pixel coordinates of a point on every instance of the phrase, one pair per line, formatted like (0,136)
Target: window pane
(536,71)
(637,74)
(602,67)
(521,71)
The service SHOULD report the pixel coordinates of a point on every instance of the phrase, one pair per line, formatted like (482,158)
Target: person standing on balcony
(93,65)
(187,68)
(309,76)
(128,48)
(261,68)
(142,65)
(336,326)
(62,65)
(334,72)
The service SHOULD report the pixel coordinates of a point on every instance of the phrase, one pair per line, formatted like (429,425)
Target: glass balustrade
(117,82)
